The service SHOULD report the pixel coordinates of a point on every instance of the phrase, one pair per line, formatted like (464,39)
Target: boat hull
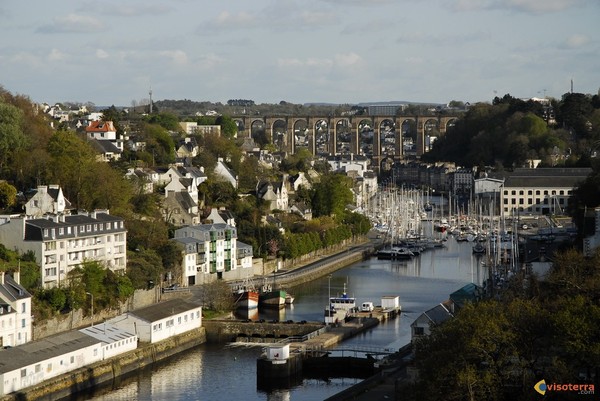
(272,299)
(247,300)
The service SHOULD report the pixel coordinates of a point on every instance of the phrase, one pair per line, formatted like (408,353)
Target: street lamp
(92,296)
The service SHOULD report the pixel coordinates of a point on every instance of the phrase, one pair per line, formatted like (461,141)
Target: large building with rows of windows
(62,242)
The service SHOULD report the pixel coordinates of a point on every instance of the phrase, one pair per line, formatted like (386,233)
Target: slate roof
(163,310)
(104,146)
(40,350)
(438,314)
(34,227)
(11,291)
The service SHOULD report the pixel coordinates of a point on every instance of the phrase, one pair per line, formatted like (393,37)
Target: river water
(228,372)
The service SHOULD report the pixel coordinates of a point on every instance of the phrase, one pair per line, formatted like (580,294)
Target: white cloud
(576,40)
(338,60)
(101,54)
(349,59)
(527,6)
(178,57)
(56,55)
(242,19)
(128,9)
(73,23)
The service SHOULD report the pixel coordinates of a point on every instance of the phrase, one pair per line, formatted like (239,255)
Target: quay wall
(109,370)
(220,331)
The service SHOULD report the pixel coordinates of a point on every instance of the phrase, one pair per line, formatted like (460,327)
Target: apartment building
(211,252)
(62,242)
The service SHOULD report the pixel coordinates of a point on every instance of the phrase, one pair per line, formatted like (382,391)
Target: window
(38,368)
(24,372)
(23,323)
(72,359)
(23,307)
(419,331)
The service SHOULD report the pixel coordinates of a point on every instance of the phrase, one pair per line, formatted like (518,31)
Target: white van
(367,307)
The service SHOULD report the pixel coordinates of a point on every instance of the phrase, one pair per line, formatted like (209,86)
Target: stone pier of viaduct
(323,134)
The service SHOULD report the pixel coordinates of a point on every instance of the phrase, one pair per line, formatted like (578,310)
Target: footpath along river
(227,372)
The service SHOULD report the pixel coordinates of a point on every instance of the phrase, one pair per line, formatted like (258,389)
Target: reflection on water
(216,371)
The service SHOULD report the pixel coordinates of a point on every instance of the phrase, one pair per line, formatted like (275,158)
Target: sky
(111,52)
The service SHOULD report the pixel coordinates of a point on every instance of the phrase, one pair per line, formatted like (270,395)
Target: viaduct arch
(334,135)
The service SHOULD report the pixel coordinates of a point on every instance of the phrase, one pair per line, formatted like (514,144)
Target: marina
(206,372)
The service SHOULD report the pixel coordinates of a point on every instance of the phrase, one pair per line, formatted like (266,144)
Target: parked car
(367,307)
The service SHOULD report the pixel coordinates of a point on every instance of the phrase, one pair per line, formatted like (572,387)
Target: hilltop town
(107,212)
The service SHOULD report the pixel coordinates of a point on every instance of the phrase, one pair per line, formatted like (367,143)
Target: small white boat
(289,299)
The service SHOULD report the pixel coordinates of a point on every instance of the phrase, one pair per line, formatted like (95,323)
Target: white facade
(359,164)
(47,199)
(15,312)
(539,200)
(211,249)
(592,242)
(25,365)
(61,243)
(161,321)
(390,302)
(225,173)
(540,190)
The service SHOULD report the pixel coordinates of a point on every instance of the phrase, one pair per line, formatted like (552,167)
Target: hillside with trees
(499,349)
(510,131)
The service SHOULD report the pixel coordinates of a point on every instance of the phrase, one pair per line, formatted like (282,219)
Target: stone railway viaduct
(322,134)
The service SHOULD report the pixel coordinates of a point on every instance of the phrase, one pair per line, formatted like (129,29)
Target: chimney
(17,277)
(1,278)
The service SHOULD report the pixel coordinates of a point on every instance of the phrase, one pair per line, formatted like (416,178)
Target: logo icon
(540,387)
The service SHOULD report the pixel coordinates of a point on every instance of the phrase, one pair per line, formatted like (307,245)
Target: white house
(345,164)
(62,242)
(143,178)
(434,316)
(592,242)
(113,340)
(15,311)
(222,216)
(47,199)
(160,321)
(275,194)
(187,147)
(225,173)
(36,361)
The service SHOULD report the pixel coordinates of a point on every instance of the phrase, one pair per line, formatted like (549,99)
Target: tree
(229,128)
(8,195)
(72,161)
(12,138)
(331,195)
